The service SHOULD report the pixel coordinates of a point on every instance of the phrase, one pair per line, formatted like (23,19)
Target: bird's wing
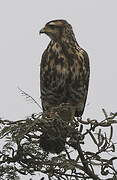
(82,82)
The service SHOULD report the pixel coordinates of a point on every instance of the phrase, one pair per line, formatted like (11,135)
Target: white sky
(95,26)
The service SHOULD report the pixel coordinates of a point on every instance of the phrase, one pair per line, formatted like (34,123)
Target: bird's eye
(52,26)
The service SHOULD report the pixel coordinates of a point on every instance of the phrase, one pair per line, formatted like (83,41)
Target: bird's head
(57,29)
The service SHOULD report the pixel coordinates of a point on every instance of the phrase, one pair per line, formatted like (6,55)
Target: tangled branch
(28,144)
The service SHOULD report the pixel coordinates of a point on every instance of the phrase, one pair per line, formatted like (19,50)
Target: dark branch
(22,151)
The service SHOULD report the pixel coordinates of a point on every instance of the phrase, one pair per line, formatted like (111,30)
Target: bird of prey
(64,71)
(64,79)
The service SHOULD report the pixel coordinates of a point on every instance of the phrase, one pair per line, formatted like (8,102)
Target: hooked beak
(43,30)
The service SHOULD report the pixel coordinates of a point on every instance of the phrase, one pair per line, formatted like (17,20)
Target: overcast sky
(95,26)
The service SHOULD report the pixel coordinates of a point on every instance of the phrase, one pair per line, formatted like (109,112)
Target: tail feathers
(52,144)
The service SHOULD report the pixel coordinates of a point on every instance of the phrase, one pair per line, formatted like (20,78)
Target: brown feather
(64,71)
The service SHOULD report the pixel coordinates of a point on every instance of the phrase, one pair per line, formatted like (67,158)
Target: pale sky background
(95,26)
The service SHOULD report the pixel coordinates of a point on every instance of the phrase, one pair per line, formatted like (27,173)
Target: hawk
(64,70)
(64,79)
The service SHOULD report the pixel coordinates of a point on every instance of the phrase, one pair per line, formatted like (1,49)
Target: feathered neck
(68,39)
(67,42)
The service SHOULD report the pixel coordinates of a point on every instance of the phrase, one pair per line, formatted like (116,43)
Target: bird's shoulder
(82,55)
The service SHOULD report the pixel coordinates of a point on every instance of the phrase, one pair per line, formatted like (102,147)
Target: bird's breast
(64,64)
(58,61)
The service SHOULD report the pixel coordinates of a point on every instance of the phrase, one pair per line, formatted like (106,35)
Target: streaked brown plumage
(64,72)
(64,79)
